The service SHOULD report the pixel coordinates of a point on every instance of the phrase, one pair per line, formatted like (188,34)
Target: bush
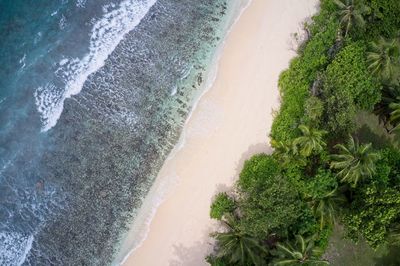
(384,18)
(258,168)
(349,73)
(314,109)
(270,206)
(340,112)
(391,158)
(221,205)
(372,213)
(321,184)
(295,83)
(348,87)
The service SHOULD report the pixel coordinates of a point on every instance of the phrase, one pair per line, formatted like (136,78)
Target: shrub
(372,213)
(314,109)
(295,83)
(348,87)
(384,18)
(258,168)
(340,112)
(272,205)
(349,72)
(221,205)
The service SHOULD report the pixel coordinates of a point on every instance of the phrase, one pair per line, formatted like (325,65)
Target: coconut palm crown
(350,13)
(354,161)
(237,246)
(325,208)
(303,252)
(310,141)
(383,60)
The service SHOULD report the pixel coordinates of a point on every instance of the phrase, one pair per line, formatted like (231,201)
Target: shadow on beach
(193,255)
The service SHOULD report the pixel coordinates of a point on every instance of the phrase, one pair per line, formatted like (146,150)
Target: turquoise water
(93,95)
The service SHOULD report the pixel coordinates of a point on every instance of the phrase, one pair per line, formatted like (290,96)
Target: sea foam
(14,248)
(106,34)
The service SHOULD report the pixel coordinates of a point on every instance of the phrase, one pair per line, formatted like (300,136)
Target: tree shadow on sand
(193,255)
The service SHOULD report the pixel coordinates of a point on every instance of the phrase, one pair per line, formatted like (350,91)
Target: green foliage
(322,195)
(384,19)
(323,17)
(295,82)
(221,205)
(303,252)
(215,261)
(349,72)
(390,94)
(236,246)
(351,15)
(319,185)
(382,172)
(311,141)
(258,169)
(270,206)
(394,114)
(339,113)
(384,60)
(314,109)
(348,87)
(323,238)
(354,161)
(372,213)
(293,191)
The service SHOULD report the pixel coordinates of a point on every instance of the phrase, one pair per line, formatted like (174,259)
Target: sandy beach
(230,123)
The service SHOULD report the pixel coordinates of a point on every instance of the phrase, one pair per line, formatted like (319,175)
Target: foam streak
(106,34)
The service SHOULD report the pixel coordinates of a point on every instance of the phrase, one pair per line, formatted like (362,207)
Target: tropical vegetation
(327,170)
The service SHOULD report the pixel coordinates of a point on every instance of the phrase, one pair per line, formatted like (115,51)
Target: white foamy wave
(80,3)
(14,248)
(106,34)
(62,23)
(23,62)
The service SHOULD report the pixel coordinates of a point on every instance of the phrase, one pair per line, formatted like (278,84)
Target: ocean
(93,97)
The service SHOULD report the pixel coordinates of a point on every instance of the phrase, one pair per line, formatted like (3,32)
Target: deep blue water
(93,95)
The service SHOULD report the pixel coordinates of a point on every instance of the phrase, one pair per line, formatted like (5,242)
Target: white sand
(231,122)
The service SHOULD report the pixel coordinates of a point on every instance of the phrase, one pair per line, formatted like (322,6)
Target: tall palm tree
(237,246)
(354,161)
(310,141)
(304,252)
(383,60)
(326,207)
(350,13)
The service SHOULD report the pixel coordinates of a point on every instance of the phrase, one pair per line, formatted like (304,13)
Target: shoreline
(139,227)
(213,145)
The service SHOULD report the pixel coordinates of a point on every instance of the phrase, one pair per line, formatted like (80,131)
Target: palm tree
(311,141)
(325,207)
(237,246)
(284,151)
(350,13)
(383,60)
(304,252)
(354,161)
(287,153)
